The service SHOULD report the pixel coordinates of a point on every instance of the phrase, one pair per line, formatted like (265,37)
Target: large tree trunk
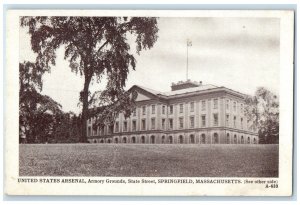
(85,107)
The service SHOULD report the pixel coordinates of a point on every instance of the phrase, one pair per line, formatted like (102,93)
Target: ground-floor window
(143,139)
(203,139)
(116,140)
(163,139)
(108,141)
(124,140)
(228,139)
(192,139)
(170,139)
(216,138)
(95,141)
(254,140)
(101,141)
(242,140)
(181,139)
(152,139)
(248,141)
(133,139)
(235,139)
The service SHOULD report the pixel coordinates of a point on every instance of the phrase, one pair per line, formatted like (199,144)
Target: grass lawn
(139,160)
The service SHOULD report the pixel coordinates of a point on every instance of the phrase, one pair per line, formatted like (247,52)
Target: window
(248,140)
(153,109)
(235,139)
(124,140)
(134,112)
(133,140)
(242,139)
(163,122)
(171,109)
(102,130)
(133,125)
(216,120)
(116,140)
(216,138)
(152,139)
(163,139)
(110,130)
(227,104)
(203,121)
(163,109)
(234,106)
(192,139)
(192,106)
(180,139)
(181,123)
(170,139)
(152,123)
(170,123)
(143,139)
(180,108)
(192,122)
(241,123)
(234,121)
(227,120)
(203,140)
(117,127)
(89,131)
(203,105)
(144,110)
(228,139)
(215,103)
(125,126)
(143,124)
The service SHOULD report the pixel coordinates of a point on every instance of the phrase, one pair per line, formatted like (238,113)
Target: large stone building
(191,113)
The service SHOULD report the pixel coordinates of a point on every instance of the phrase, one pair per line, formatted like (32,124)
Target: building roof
(191,90)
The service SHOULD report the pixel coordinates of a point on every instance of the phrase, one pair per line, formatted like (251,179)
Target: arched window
(101,141)
(163,139)
(254,140)
(228,139)
(170,140)
(152,139)
(216,138)
(108,141)
(116,140)
(242,140)
(95,141)
(133,139)
(181,139)
(203,139)
(143,139)
(248,140)
(124,140)
(192,139)
(235,139)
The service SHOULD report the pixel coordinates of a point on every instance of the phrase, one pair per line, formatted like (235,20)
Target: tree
(36,111)
(94,46)
(263,110)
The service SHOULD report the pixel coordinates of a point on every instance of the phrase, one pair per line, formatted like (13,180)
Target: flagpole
(187,60)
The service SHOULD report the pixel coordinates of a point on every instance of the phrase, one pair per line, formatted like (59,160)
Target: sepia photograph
(150,97)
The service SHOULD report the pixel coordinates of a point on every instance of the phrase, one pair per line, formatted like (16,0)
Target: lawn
(137,160)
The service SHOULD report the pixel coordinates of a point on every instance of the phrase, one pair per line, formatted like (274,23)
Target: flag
(189,43)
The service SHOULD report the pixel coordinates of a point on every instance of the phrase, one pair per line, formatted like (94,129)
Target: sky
(238,53)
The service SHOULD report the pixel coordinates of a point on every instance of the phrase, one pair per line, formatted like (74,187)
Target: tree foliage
(263,110)
(36,111)
(95,47)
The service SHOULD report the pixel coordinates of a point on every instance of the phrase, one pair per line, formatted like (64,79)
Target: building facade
(192,113)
